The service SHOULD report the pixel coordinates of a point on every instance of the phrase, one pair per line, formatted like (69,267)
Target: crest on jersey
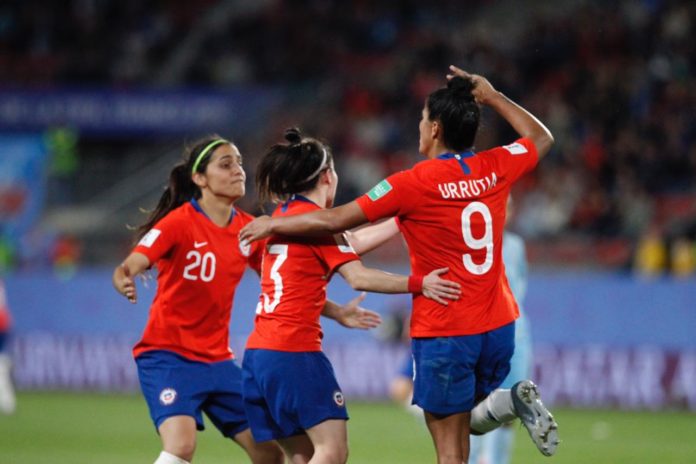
(167,396)
(516,148)
(149,239)
(244,247)
(379,190)
(338,398)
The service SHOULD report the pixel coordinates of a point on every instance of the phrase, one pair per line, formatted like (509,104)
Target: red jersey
(294,275)
(199,265)
(451,211)
(5,318)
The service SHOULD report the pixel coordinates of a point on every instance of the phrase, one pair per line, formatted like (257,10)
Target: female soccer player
(451,210)
(184,361)
(290,391)
(494,447)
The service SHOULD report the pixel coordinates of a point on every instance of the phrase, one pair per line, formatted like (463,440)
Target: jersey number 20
(473,243)
(205,262)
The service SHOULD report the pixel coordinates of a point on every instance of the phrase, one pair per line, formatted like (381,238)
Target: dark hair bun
(293,135)
(461,87)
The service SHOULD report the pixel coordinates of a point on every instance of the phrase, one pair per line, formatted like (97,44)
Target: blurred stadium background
(99,97)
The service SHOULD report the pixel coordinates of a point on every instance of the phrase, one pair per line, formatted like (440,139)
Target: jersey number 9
(473,243)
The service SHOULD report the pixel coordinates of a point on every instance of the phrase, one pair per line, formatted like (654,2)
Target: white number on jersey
(201,266)
(473,243)
(282,254)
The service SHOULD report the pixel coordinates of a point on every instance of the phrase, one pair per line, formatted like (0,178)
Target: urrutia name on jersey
(468,188)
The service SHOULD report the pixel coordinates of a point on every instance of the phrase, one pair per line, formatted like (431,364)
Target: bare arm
(370,237)
(367,279)
(125,273)
(314,224)
(524,123)
(351,315)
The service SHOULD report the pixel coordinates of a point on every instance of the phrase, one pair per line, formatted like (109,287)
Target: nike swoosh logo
(199,244)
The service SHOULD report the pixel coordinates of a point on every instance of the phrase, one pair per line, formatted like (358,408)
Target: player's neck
(437,149)
(217,209)
(317,196)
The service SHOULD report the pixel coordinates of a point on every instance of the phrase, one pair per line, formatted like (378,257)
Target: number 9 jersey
(199,265)
(451,212)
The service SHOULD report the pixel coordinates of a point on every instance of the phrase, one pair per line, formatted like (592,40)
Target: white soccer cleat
(535,417)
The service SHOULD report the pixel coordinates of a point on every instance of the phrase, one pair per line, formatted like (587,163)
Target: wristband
(415,283)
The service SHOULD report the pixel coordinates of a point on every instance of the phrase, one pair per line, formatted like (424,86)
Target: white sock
(493,411)
(8,400)
(168,458)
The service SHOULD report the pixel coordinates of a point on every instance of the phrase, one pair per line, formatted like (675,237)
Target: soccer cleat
(535,417)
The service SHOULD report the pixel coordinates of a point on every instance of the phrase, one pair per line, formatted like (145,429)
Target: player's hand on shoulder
(257,229)
(438,289)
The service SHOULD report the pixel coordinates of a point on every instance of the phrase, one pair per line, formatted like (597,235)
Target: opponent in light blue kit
(496,446)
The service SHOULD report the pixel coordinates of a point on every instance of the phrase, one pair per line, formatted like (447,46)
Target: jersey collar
(460,158)
(295,197)
(198,208)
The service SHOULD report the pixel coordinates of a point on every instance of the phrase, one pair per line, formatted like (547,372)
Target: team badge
(379,190)
(149,238)
(244,247)
(338,398)
(167,396)
(516,148)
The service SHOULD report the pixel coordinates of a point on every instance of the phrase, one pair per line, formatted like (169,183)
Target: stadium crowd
(614,80)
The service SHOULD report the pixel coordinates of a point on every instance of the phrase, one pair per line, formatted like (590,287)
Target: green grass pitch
(67,428)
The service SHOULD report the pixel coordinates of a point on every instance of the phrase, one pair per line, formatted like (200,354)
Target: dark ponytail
(291,167)
(181,187)
(456,109)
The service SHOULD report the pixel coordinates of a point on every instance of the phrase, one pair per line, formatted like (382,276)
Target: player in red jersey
(451,211)
(290,392)
(184,361)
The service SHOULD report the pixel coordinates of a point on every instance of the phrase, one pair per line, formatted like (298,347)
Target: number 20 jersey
(451,211)
(199,265)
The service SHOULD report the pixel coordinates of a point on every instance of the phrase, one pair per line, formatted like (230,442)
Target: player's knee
(335,454)
(183,449)
(267,453)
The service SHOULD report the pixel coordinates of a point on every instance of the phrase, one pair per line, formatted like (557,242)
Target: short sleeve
(385,199)
(159,240)
(516,159)
(335,252)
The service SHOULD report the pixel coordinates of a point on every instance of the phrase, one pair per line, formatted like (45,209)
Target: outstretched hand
(355,317)
(439,289)
(483,91)
(125,285)
(257,229)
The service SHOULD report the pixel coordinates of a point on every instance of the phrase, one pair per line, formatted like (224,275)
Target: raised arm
(124,275)
(524,123)
(314,224)
(370,237)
